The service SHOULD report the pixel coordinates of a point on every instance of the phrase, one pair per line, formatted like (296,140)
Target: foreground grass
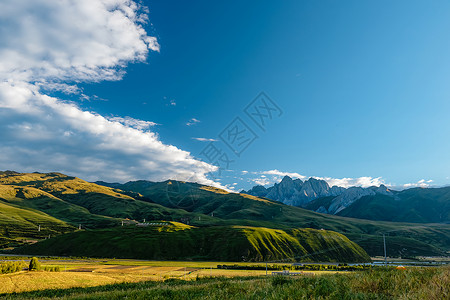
(383,283)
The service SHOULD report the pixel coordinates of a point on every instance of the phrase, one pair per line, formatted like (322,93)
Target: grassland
(95,272)
(380,283)
(18,225)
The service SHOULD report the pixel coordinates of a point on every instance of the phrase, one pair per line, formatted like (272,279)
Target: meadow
(378,283)
(95,272)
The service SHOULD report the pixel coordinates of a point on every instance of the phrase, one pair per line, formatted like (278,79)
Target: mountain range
(417,205)
(54,206)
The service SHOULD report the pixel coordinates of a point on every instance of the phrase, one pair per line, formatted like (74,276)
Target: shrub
(35,265)
(12,266)
(52,269)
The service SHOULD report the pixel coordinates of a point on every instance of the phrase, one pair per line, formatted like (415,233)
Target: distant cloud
(271,177)
(262,181)
(170,102)
(54,45)
(204,139)
(421,183)
(280,173)
(348,182)
(192,121)
(276,176)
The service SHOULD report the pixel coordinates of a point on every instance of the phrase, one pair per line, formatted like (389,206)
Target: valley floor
(93,272)
(380,283)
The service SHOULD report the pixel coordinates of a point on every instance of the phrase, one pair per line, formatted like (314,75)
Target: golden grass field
(86,273)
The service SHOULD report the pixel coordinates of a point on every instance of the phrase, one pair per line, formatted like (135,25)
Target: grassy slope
(219,243)
(96,200)
(35,199)
(230,208)
(17,223)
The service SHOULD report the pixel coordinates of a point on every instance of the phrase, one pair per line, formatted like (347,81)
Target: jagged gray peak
(258,191)
(348,197)
(299,193)
(296,192)
(285,189)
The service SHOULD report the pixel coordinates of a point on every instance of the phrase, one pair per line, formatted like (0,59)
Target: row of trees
(16,266)
(308,267)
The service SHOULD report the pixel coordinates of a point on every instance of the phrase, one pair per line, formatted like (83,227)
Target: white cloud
(348,182)
(82,40)
(204,139)
(48,44)
(134,123)
(262,181)
(192,121)
(280,173)
(170,102)
(421,183)
(68,89)
(277,175)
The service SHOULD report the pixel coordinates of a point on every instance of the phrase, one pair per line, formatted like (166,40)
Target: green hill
(35,199)
(18,225)
(217,243)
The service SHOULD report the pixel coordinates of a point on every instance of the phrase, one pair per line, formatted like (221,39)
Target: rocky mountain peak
(301,193)
(285,179)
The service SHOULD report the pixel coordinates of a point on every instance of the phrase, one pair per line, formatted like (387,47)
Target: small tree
(34,264)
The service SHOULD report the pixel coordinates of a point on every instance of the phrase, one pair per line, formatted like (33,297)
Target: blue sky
(363,87)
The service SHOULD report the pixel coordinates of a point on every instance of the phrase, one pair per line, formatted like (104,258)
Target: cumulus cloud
(53,45)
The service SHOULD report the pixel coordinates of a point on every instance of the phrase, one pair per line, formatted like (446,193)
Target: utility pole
(122,223)
(39,228)
(384,241)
